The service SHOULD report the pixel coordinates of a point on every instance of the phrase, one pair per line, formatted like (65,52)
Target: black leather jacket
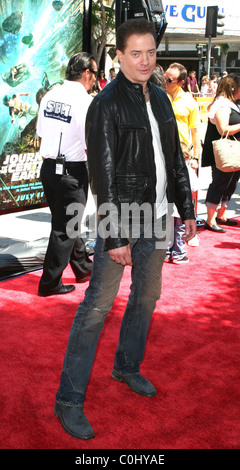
(120,151)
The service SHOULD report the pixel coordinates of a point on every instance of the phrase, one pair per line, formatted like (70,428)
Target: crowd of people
(137,141)
(204,86)
(224,117)
(208,85)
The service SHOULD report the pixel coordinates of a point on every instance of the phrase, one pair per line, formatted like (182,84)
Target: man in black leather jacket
(134,159)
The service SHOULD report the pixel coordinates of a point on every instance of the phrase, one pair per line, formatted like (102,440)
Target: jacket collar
(131,85)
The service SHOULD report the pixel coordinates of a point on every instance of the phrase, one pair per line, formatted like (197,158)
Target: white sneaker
(184,260)
(194,241)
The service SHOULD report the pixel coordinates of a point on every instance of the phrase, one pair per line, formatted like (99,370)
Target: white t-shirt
(161,184)
(63,110)
(221,102)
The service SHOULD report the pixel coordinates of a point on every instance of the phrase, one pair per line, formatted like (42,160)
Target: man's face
(171,78)
(139,58)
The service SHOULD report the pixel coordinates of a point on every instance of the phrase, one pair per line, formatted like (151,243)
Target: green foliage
(97,15)
(224,48)
(103,26)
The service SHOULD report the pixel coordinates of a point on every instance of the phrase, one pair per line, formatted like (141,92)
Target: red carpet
(192,358)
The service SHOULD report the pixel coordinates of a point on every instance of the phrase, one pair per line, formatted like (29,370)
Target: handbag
(227,154)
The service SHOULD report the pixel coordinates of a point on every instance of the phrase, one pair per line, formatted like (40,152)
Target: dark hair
(77,64)
(6,99)
(228,86)
(158,77)
(40,94)
(134,26)
(182,70)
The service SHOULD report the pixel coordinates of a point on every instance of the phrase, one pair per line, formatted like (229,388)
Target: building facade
(184,40)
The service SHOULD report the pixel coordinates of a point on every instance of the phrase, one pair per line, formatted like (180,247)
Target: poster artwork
(37,40)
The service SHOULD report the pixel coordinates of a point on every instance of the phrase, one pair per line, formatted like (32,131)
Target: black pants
(60,191)
(222,187)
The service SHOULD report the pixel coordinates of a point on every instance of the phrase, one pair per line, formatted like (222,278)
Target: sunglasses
(170,80)
(93,71)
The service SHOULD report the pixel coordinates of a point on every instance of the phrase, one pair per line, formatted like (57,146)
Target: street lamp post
(209,55)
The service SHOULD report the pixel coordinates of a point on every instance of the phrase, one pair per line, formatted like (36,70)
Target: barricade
(203,102)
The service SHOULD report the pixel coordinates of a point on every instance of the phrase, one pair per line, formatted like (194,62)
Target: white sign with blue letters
(190,16)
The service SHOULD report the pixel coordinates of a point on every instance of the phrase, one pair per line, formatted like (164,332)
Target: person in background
(112,74)
(185,109)
(224,117)
(222,75)
(101,80)
(204,90)
(176,252)
(213,84)
(134,156)
(61,129)
(158,77)
(191,83)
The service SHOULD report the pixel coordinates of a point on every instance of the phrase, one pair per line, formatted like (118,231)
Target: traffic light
(199,48)
(216,51)
(214,23)
(220,24)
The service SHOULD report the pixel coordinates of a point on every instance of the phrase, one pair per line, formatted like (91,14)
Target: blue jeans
(92,311)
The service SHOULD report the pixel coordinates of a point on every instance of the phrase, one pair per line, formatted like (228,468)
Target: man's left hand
(121,255)
(190,229)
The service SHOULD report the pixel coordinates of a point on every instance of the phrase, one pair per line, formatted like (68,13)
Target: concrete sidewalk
(34,224)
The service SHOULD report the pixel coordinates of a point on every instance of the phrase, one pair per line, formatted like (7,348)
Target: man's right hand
(121,255)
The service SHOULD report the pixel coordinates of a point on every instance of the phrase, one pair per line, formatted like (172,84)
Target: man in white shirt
(61,128)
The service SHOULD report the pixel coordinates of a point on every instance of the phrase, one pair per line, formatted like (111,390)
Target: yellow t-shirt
(187,115)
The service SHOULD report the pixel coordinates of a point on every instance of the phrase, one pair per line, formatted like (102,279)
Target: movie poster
(37,39)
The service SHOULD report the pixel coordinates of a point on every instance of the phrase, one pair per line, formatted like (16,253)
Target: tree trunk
(98,42)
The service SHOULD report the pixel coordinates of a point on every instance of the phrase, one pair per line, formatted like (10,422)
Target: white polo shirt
(63,110)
